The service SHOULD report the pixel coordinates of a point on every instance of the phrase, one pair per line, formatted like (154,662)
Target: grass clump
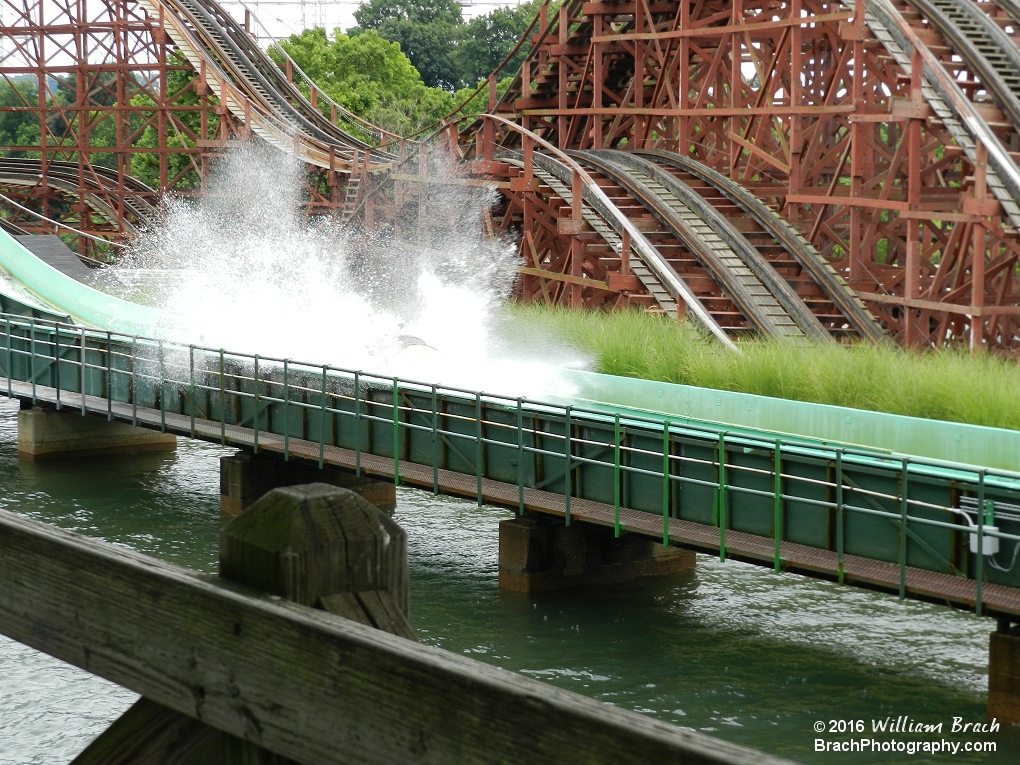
(944,385)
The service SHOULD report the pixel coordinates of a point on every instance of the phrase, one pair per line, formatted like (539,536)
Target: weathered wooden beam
(150,733)
(298,681)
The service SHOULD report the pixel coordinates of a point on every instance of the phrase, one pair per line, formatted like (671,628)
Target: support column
(539,553)
(246,477)
(45,433)
(1004,674)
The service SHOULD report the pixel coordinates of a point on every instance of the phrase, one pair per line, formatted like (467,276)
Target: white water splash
(250,274)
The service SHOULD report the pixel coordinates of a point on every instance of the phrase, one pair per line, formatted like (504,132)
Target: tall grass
(944,385)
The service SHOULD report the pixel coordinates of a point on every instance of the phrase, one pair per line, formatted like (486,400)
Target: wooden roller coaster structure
(794,168)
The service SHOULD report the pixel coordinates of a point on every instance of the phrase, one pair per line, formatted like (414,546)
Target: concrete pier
(45,433)
(537,553)
(245,477)
(1004,674)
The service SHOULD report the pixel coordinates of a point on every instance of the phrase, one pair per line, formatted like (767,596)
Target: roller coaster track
(967,127)
(741,272)
(779,233)
(653,270)
(983,45)
(250,85)
(11,228)
(99,185)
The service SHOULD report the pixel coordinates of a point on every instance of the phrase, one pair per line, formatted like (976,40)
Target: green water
(732,650)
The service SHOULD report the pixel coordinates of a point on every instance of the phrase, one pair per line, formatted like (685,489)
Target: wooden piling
(318,545)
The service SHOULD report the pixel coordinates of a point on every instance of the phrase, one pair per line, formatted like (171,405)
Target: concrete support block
(1004,676)
(48,434)
(245,477)
(537,553)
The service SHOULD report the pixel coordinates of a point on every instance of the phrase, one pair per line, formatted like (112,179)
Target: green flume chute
(50,290)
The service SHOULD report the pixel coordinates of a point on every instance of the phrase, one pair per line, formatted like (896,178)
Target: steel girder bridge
(796,169)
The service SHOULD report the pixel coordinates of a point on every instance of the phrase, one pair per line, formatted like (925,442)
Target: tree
(486,40)
(19,128)
(479,102)
(369,76)
(427,31)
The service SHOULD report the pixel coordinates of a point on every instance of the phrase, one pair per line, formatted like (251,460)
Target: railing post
(286,411)
(665,483)
(10,362)
(56,361)
(979,564)
(520,456)
(396,432)
(840,521)
(568,472)
(903,530)
(479,438)
(191,386)
(162,390)
(134,380)
(255,415)
(31,357)
(357,423)
(435,442)
(777,506)
(721,501)
(83,366)
(616,475)
(322,420)
(109,377)
(223,401)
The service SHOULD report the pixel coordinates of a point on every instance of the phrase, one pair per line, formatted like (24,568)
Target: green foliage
(944,385)
(146,166)
(486,40)
(479,103)
(449,53)
(425,29)
(369,76)
(19,128)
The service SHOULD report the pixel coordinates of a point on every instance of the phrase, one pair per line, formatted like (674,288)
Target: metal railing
(898,509)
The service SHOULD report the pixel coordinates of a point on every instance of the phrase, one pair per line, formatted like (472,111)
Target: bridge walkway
(751,548)
(859,515)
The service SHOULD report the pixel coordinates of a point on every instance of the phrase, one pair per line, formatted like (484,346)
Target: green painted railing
(904,510)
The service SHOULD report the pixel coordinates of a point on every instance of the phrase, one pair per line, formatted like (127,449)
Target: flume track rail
(861,516)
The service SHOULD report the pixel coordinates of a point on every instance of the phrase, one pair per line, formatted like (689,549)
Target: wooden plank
(296,680)
(584,282)
(150,733)
(761,26)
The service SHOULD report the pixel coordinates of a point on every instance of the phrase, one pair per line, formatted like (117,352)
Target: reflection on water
(738,651)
